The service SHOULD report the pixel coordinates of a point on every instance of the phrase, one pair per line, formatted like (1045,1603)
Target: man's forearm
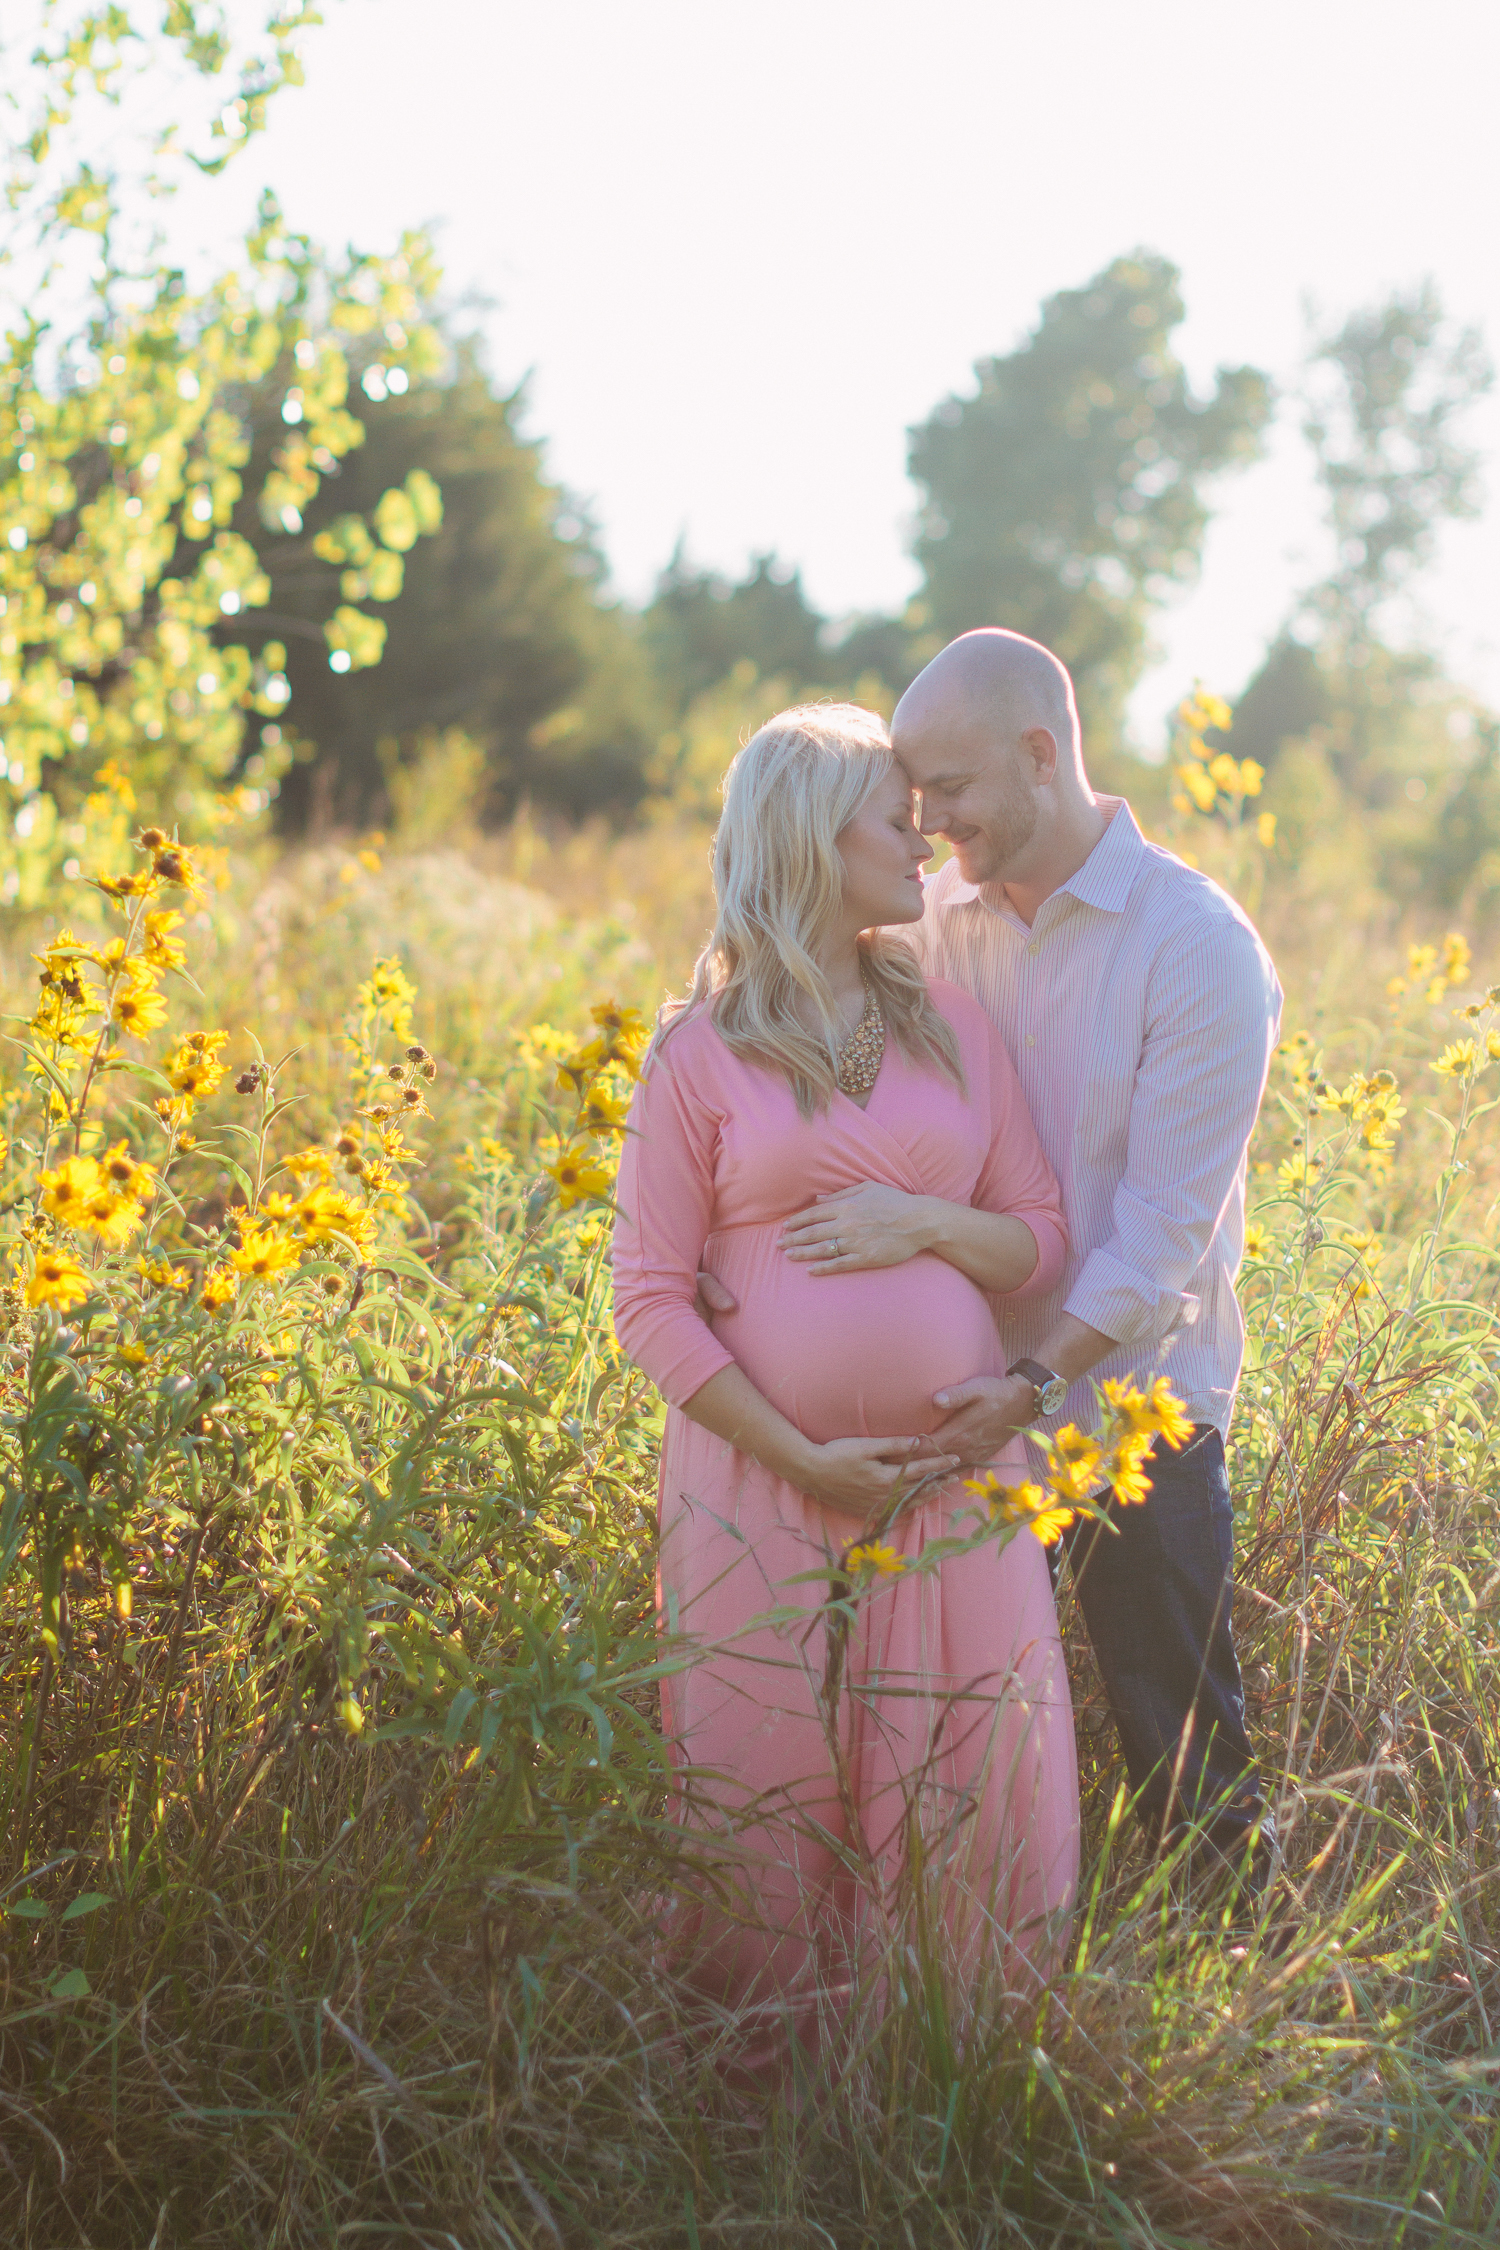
(1070,1347)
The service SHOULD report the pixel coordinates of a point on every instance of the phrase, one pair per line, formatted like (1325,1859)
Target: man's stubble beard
(1003,839)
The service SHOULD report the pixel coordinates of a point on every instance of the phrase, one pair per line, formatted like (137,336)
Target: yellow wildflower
(1457,959)
(194,1067)
(126,886)
(1199,787)
(1075,1465)
(314,1163)
(1029,1504)
(1125,1467)
(68,1188)
(1297,1172)
(1492,1045)
(110,777)
(603,1112)
(114,1218)
(578,1176)
(162,1274)
(1252,774)
(173,864)
(1202,711)
(1265,830)
(219,1289)
(136,1005)
(263,1254)
(174,1114)
(1257,1240)
(1226,772)
(1459,1059)
(162,950)
(58,1280)
(873,1555)
(388,991)
(1137,1414)
(324,1213)
(125,1175)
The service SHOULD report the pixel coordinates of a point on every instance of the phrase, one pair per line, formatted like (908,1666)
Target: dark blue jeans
(1155,1595)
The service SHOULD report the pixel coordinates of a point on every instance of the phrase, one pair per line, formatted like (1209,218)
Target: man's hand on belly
(713,1297)
(981,1415)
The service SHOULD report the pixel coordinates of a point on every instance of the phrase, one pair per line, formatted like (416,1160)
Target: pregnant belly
(851,1355)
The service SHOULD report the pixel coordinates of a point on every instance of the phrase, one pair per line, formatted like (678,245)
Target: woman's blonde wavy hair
(778,878)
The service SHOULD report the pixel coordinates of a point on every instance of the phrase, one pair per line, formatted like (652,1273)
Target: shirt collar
(1106,878)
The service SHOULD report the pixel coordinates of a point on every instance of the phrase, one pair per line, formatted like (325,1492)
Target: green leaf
(71,1985)
(29,1909)
(88,1902)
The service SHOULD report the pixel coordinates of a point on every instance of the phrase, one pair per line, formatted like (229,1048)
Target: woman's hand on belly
(860,1228)
(859,1476)
(870,1226)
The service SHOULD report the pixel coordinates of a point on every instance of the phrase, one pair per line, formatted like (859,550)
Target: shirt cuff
(1125,1304)
(681,1364)
(1051,1257)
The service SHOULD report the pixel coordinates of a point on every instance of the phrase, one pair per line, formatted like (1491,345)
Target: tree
(494,625)
(700,627)
(1065,497)
(1386,395)
(129,468)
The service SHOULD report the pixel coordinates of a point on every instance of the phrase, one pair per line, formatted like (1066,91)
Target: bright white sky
(741,244)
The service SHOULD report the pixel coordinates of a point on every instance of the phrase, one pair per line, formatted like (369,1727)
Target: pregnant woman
(811,1059)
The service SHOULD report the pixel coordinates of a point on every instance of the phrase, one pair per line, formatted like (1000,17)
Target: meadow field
(334,1809)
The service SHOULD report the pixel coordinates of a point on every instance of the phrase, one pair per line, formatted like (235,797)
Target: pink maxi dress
(954,1712)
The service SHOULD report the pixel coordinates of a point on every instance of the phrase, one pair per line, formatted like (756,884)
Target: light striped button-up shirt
(1141,1011)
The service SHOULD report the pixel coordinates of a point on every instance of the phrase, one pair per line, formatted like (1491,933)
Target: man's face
(977,789)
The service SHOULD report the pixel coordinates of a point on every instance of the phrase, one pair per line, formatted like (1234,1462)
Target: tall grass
(334,1851)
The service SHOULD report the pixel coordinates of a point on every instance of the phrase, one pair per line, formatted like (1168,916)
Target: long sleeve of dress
(1017,1179)
(665,1195)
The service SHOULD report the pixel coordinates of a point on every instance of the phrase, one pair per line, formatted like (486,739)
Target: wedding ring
(838,1253)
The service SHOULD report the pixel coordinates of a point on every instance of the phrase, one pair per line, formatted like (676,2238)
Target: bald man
(1140,1009)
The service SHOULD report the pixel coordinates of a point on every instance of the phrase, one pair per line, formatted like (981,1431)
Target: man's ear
(1040,746)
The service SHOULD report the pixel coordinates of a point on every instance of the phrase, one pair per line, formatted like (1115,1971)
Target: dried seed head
(417,1055)
(248,1080)
(152,839)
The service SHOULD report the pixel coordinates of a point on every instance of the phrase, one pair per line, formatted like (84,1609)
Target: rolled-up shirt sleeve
(1017,1180)
(665,1198)
(1212,1019)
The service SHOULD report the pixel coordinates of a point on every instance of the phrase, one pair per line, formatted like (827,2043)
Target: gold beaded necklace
(860,1056)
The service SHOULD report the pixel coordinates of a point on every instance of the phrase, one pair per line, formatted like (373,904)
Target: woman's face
(883,852)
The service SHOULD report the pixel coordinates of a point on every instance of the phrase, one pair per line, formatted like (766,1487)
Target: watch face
(1051,1395)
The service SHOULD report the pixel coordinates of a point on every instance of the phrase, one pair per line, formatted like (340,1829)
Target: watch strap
(1040,1378)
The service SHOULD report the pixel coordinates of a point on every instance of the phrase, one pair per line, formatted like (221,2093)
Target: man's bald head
(989,734)
(999,680)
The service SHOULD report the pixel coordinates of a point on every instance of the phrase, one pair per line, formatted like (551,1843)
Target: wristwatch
(1047,1390)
